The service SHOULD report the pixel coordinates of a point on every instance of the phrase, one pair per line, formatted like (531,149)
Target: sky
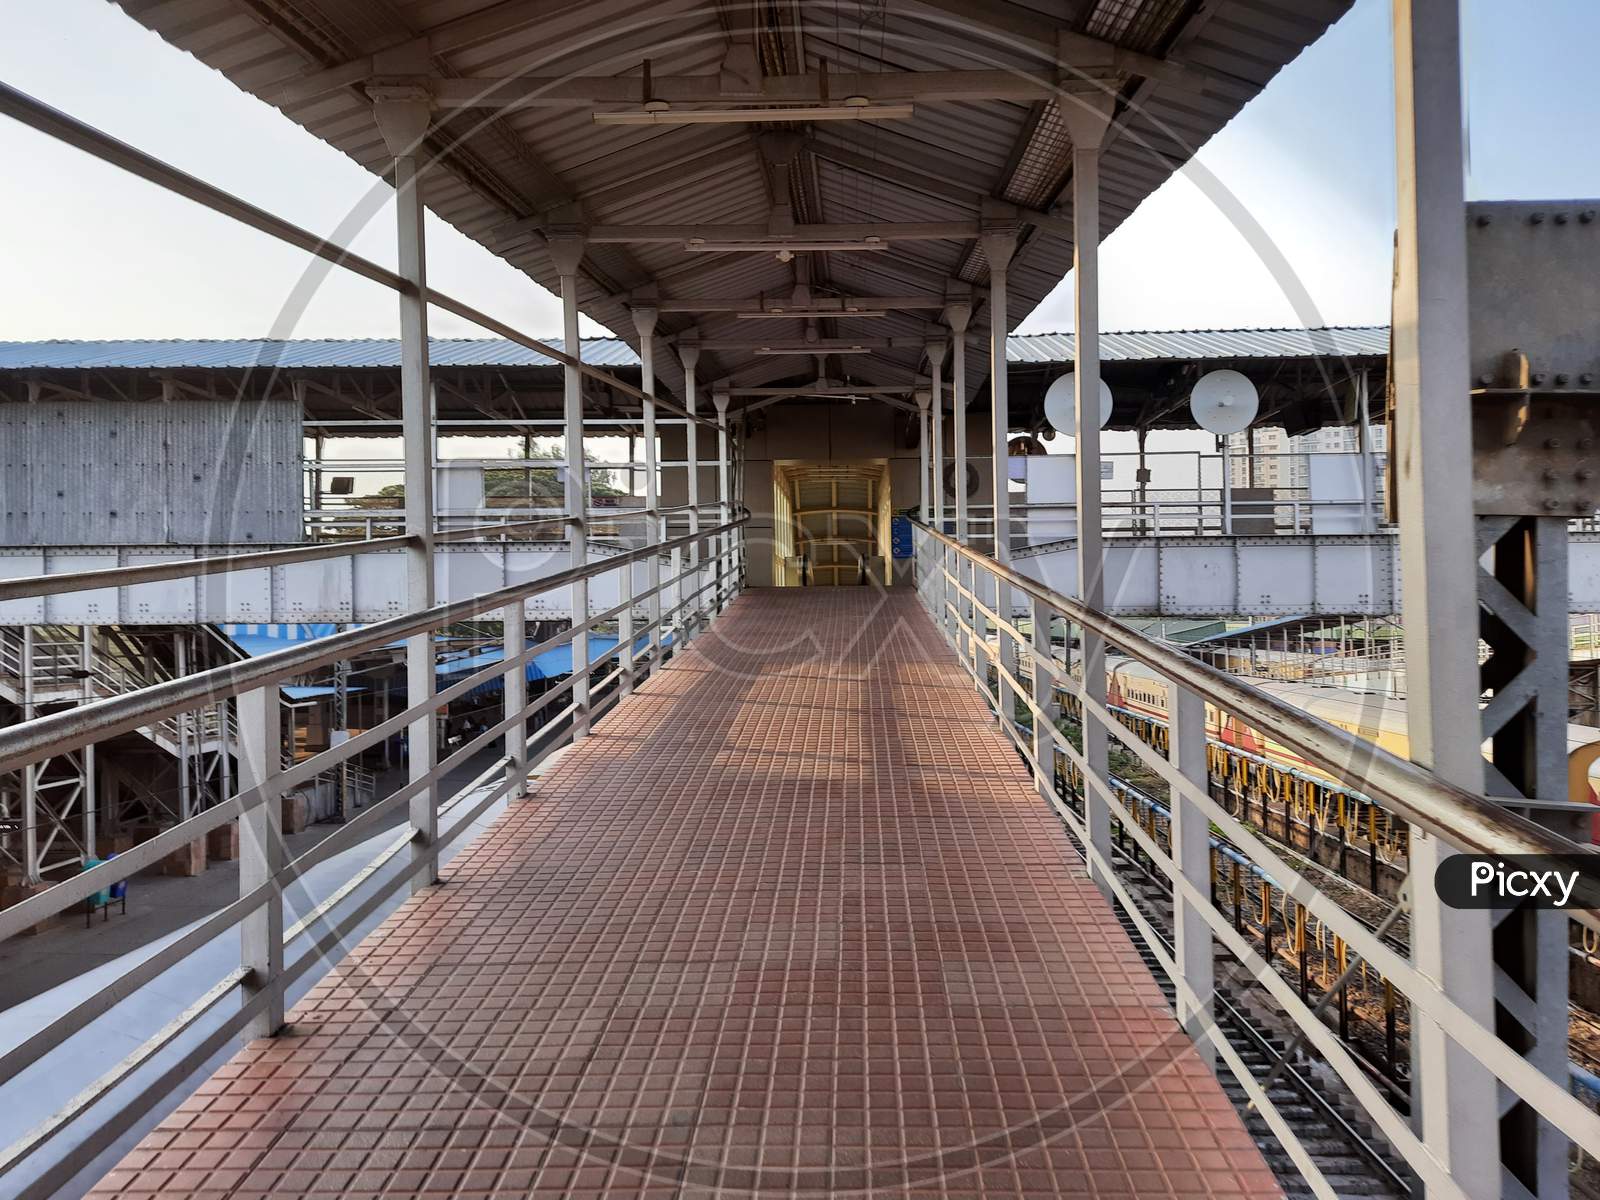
(89,252)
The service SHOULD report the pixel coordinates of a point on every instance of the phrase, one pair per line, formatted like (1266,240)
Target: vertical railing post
(927,566)
(1191,856)
(30,773)
(724,497)
(1044,691)
(1226,442)
(91,797)
(515,685)
(565,247)
(183,725)
(1087,119)
(737,467)
(644,322)
(261,854)
(966,576)
(403,115)
(675,593)
(625,630)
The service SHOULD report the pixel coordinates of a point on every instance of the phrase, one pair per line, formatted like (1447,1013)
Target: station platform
(792,920)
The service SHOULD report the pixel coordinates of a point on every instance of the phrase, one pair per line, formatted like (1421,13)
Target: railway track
(1311,1097)
(1327,1122)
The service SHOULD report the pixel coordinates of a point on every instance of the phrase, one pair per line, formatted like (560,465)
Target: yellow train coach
(1378,719)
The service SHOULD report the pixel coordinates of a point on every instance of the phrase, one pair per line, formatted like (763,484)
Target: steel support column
(999,243)
(957,316)
(1526,626)
(689,356)
(566,251)
(1455,1099)
(936,352)
(1369,516)
(999,247)
(403,118)
(644,324)
(924,400)
(1087,119)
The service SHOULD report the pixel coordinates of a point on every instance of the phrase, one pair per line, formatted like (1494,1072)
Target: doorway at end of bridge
(834,524)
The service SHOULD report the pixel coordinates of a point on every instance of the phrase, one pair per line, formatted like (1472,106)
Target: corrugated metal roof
(246,353)
(1190,344)
(354,353)
(503,178)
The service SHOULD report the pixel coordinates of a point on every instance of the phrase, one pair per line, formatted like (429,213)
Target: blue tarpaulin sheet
(256,640)
(552,664)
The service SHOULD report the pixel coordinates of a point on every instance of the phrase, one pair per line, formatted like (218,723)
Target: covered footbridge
(834,890)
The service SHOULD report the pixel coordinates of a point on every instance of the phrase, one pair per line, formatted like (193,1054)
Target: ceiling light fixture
(712,246)
(666,115)
(778,350)
(770,313)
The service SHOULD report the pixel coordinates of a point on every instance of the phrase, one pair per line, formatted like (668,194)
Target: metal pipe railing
(948,576)
(35,114)
(249,560)
(59,732)
(262,975)
(1466,820)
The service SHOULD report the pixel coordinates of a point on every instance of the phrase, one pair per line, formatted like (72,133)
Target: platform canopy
(1303,376)
(890,135)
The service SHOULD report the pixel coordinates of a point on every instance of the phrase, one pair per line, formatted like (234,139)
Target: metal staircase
(46,668)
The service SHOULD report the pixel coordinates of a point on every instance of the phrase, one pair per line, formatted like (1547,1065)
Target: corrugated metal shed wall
(100,472)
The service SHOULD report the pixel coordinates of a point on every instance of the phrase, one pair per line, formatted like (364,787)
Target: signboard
(900,544)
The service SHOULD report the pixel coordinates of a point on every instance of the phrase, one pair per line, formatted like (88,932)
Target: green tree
(536,487)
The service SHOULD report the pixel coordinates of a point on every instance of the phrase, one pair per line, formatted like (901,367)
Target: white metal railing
(624,522)
(972,599)
(1199,516)
(699,586)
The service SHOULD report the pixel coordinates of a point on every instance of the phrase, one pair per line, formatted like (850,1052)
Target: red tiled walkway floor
(792,921)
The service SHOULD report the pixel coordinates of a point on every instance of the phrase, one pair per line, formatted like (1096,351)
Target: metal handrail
(35,114)
(963,614)
(263,973)
(251,560)
(1462,818)
(59,732)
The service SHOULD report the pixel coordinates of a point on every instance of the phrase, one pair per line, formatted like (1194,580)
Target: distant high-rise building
(1279,460)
